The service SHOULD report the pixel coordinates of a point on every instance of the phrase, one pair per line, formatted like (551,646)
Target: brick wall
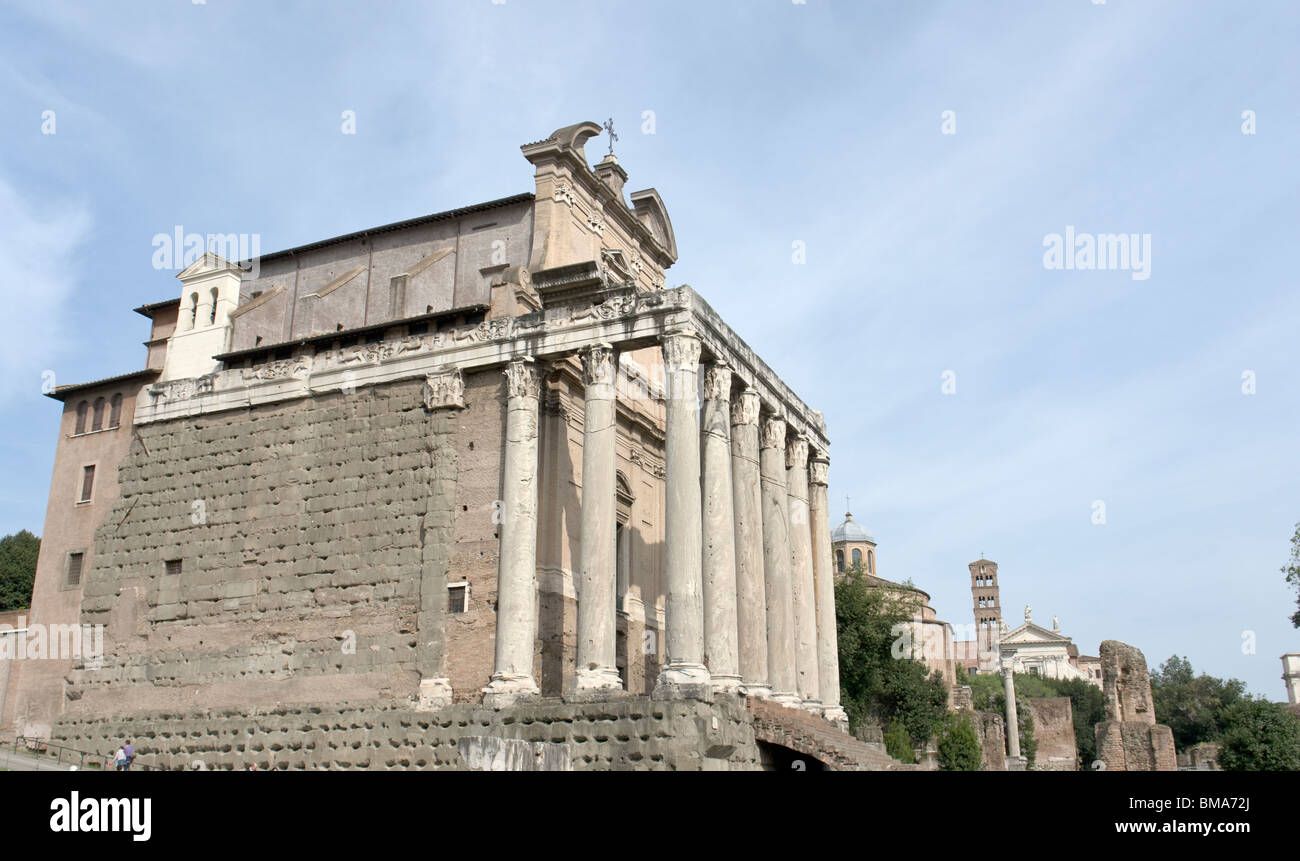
(307,532)
(1054,732)
(632,733)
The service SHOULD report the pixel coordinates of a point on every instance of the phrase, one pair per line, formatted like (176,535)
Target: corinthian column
(720,638)
(776,565)
(751,594)
(801,573)
(828,655)
(684,674)
(597,670)
(516,632)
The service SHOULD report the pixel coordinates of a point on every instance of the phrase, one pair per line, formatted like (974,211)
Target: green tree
(1192,705)
(1259,736)
(1292,572)
(876,686)
(1028,744)
(959,744)
(18,554)
(898,743)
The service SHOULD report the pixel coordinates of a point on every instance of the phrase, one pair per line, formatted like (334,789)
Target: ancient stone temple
(436,475)
(1130,739)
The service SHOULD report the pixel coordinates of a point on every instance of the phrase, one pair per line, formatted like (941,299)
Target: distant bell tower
(984,598)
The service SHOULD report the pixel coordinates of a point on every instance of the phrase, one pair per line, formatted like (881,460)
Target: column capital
(744,408)
(796,452)
(773,430)
(599,364)
(717,382)
(522,378)
(681,350)
(819,468)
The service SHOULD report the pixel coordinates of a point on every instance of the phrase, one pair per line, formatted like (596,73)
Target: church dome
(851,530)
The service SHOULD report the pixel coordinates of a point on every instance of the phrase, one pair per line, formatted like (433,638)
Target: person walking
(129,750)
(119,760)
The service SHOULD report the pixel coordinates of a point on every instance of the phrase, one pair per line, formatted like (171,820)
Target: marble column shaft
(596,660)
(719,538)
(802,581)
(751,591)
(1013,721)
(828,655)
(516,626)
(781,673)
(684,673)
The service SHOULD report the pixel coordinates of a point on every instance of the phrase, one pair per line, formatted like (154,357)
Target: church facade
(480,457)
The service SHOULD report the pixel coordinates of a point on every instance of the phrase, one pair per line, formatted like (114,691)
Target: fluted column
(684,673)
(801,573)
(719,540)
(516,631)
(597,670)
(781,673)
(751,592)
(828,653)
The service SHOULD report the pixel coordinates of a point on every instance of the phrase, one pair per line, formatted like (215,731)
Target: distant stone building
(1028,648)
(1291,676)
(1130,739)
(931,638)
(482,459)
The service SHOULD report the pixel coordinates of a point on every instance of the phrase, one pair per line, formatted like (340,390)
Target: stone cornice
(627,321)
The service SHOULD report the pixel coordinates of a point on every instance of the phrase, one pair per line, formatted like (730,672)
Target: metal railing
(62,754)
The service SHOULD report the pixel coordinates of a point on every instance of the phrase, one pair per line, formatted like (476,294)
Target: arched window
(857,557)
(194,309)
(97,421)
(839,560)
(115,411)
(871,562)
(82,409)
(213,317)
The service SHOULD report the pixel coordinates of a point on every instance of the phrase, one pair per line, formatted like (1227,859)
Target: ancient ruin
(1130,739)
(410,479)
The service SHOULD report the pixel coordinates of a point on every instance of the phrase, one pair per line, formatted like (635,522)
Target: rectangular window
(87,483)
(457,597)
(173,566)
(73,577)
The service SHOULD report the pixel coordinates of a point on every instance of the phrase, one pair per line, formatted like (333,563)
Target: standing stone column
(828,654)
(751,593)
(684,675)
(1013,722)
(802,583)
(776,565)
(597,670)
(516,632)
(719,563)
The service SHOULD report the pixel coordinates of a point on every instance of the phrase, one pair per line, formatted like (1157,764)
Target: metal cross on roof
(609,127)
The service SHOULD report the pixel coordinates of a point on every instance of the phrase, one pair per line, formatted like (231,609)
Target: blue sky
(774,123)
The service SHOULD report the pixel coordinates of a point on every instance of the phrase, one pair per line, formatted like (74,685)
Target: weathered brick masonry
(303,529)
(622,734)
